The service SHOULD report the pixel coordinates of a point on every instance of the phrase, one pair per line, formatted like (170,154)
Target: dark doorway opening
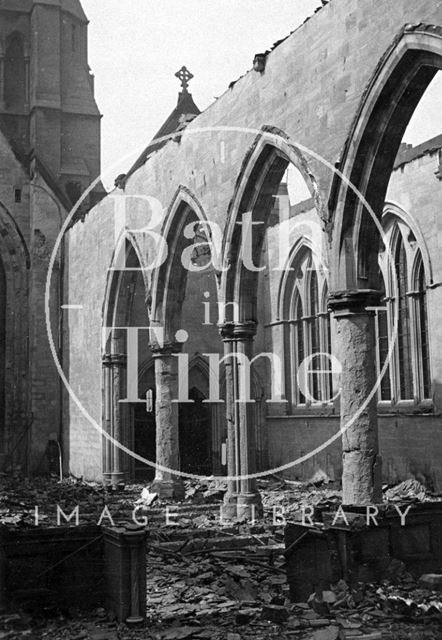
(144,439)
(2,353)
(195,435)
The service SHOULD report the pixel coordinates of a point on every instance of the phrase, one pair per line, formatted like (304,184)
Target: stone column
(166,484)
(117,364)
(249,500)
(231,497)
(362,466)
(107,413)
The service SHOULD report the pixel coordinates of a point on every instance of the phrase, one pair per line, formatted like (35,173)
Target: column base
(242,506)
(249,506)
(229,507)
(169,489)
(134,621)
(117,479)
(106,478)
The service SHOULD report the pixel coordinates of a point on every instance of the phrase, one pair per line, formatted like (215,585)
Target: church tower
(49,154)
(47,107)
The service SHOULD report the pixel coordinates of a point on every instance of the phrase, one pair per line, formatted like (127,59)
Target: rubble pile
(226,596)
(230,592)
(20,496)
(208,580)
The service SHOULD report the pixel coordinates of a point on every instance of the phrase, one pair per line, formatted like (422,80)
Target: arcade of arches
(259,251)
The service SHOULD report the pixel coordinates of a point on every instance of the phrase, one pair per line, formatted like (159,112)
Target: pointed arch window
(408,374)
(297,350)
(401,302)
(382,341)
(314,335)
(308,377)
(423,347)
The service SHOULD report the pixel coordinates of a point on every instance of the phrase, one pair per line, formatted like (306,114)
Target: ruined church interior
(241,337)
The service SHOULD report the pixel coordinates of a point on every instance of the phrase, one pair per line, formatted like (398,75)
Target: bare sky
(136,46)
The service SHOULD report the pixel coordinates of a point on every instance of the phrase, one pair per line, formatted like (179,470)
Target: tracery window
(309,334)
(408,374)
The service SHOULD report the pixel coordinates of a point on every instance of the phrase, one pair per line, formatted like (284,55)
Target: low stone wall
(332,549)
(84,567)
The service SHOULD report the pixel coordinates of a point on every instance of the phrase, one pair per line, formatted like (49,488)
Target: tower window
(74,191)
(14,74)
(17,195)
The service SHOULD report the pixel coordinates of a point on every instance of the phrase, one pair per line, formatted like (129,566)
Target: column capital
(245,330)
(106,359)
(119,359)
(226,330)
(165,349)
(353,301)
(238,330)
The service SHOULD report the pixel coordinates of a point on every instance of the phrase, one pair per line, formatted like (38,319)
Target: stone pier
(242,498)
(114,364)
(361,476)
(166,484)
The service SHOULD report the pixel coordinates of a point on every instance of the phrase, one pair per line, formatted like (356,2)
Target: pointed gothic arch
(124,306)
(15,264)
(263,168)
(179,231)
(395,89)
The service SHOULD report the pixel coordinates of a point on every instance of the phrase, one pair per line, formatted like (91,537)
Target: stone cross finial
(184,75)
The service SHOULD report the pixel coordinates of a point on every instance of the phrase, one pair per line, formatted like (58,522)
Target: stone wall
(311,89)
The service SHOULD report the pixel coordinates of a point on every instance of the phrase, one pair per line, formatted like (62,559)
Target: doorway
(195,435)
(144,442)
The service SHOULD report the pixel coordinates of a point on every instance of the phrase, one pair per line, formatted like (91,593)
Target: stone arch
(15,264)
(262,171)
(127,262)
(256,187)
(395,89)
(169,280)
(123,307)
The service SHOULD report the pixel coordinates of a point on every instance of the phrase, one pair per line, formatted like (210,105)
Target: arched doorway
(2,353)
(144,440)
(195,435)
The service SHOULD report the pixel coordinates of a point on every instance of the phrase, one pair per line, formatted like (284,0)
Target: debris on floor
(216,582)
